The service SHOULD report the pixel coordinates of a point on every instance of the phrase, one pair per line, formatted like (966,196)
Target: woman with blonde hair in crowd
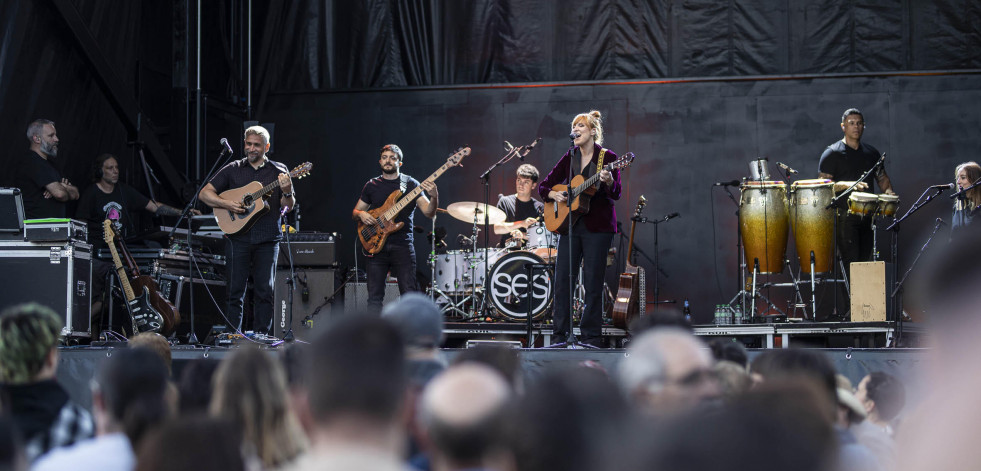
(250,390)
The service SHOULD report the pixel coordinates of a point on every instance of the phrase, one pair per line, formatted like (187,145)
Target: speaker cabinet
(210,299)
(311,289)
(868,287)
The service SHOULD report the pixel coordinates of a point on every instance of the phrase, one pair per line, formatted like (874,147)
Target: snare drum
(763,224)
(508,286)
(862,204)
(888,204)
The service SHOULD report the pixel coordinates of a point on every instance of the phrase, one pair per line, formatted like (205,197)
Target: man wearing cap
(420,322)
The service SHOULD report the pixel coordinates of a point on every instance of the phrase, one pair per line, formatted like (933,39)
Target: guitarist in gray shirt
(398,254)
(253,251)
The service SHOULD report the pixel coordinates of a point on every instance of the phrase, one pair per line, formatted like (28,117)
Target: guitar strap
(403,182)
(599,163)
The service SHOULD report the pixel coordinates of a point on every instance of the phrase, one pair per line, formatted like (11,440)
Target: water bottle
(720,314)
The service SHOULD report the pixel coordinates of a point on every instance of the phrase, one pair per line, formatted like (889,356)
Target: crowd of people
(376,393)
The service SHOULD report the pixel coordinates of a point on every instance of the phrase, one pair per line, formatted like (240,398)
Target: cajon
(868,287)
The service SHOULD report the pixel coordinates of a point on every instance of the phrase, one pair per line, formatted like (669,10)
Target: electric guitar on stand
(580,190)
(149,311)
(253,198)
(631,300)
(373,237)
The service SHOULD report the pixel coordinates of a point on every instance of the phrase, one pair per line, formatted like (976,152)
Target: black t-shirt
(95,206)
(844,163)
(240,173)
(517,210)
(33,175)
(377,190)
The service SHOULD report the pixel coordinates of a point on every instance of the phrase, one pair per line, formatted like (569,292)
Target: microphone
(945,186)
(227,148)
(282,211)
(940,222)
(728,183)
(508,147)
(786,168)
(574,135)
(671,216)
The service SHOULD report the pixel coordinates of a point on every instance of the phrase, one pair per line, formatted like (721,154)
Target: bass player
(398,254)
(254,251)
(591,233)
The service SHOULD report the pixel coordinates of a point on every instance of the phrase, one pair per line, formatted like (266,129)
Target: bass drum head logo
(508,286)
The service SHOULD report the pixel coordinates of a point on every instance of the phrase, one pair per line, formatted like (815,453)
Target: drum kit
(768,213)
(470,280)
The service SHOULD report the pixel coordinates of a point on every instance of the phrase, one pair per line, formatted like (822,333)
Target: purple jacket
(602,215)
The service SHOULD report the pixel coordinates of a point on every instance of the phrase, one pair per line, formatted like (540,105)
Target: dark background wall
(695,88)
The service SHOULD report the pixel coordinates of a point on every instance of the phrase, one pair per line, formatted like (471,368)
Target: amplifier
(309,253)
(11,214)
(210,300)
(58,276)
(311,288)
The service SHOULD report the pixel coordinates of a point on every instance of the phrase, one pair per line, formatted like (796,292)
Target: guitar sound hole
(247,201)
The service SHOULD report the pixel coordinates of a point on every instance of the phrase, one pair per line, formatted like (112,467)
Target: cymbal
(465,211)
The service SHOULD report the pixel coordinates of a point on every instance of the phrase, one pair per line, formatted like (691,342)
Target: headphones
(97,172)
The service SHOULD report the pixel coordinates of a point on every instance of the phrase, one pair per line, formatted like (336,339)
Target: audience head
(129,393)
(194,389)
(356,371)
(732,378)
(667,371)
(28,337)
(198,442)
(156,343)
(729,350)
(502,359)
(250,390)
(850,409)
(462,413)
(882,395)
(665,317)
(418,319)
(800,364)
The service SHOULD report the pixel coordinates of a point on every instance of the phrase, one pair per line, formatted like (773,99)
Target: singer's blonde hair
(593,120)
(973,199)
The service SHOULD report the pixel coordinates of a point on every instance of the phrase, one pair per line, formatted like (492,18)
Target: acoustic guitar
(149,311)
(580,190)
(631,300)
(253,198)
(373,236)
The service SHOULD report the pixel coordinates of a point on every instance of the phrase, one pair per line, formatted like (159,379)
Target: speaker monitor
(311,288)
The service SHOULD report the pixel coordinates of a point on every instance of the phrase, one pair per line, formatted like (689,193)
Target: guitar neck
(123,279)
(589,182)
(412,195)
(630,245)
(265,190)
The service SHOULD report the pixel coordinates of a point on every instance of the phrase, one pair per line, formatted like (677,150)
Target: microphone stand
(960,193)
(192,338)
(485,179)
(570,339)
(657,266)
(897,293)
(740,260)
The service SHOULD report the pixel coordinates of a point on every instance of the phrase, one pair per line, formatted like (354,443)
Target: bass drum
(508,286)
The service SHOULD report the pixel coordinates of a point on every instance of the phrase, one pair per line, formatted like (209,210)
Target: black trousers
(854,238)
(590,249)
(259,261)
(401,260)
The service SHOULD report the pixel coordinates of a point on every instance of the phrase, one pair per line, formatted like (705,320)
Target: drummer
(521,209)
(846,161)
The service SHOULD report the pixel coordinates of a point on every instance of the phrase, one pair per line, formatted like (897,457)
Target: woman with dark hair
(128,400)
(966,206)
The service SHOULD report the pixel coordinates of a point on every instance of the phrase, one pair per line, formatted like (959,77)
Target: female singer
(966,206)
(591,233)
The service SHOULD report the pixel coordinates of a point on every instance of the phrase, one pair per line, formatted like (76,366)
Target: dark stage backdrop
(686,135)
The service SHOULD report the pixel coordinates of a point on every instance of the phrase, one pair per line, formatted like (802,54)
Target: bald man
(461,413)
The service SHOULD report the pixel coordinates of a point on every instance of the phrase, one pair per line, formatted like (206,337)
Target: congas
(888,204)
(763,224)
(862,204)
(508,286)
(813,223)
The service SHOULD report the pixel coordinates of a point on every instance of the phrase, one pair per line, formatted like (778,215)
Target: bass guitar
(149,311)
(579,190)
(253,198)
(631,300)
(373,236)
